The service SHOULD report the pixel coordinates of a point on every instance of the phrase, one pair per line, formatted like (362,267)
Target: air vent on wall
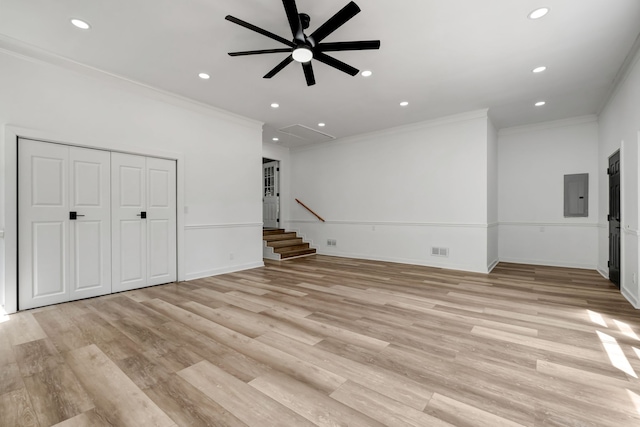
(306,135)
(443,252)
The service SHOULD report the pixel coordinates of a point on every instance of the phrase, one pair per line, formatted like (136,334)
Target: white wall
(620,129)
(219,155)
(392,195)
(532,163)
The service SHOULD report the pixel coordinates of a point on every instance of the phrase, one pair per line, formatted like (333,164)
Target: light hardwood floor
(331,341)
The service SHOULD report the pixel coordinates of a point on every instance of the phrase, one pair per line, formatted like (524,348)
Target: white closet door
(129,238)
(90,233)
(161,221)
(61,259)
(143,221)
(43,223)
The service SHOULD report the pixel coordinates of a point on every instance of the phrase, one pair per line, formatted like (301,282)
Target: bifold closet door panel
(43,223)
(161,221)
(129,225)
(60,258)
(90,233)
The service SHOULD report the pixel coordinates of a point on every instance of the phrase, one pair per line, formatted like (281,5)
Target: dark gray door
(614,218)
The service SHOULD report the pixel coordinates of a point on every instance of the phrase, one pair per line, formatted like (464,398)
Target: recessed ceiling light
(404,103)
(539,69)
(275,105)
(80,24)
(204,76)
(539,13)
(366,73)
(321,125)
(540,103)
(276,139)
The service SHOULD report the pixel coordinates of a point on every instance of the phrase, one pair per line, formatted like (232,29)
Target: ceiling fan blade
(259,30)
(338,46)
(308,73)
(259,52)
(335,22)
(288,60)
(326,59)
(293,16)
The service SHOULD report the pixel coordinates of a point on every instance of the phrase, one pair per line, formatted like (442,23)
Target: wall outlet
(634,278)
(373,228)
(231,256)
(332,242)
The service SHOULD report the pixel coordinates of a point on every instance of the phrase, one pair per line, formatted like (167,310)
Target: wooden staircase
(280,244)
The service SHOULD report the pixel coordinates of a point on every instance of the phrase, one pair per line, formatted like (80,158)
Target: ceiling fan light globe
(302,54)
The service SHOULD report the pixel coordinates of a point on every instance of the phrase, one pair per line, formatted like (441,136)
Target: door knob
(74,215)
(142,215)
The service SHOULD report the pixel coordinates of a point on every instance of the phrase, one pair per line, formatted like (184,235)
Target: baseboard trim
(549,263)
(403,261)
(225,270)
(604,273)
(493,265)
(633,301)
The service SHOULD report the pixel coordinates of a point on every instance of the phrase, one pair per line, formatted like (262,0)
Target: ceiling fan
(303,48)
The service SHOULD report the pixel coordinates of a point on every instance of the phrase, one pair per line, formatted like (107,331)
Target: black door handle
(74,215)
(142,215)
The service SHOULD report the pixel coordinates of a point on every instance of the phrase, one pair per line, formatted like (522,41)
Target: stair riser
(283,236)
(283,243)
(298,253)
(291,248)
(272,232)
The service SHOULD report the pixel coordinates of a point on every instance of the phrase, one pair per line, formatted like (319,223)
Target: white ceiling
(444,57)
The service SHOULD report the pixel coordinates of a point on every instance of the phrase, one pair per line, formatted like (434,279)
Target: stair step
(272,231)
(287,249)
(283,243)
(280,236)
(299,252)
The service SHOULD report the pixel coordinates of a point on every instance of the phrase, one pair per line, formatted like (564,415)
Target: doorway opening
(270,194)
(614,218)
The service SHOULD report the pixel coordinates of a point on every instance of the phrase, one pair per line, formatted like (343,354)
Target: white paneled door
(143,220)
(92,222)
(64,223)
(270,195)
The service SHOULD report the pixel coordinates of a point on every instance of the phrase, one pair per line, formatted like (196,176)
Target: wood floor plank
(309,403)
(56,395)
(244,402)
(281,359)
(566,349)
(112,391)
(16,409)
(461,414)
(388,411)
(188,406)
(25,328)
(389,383)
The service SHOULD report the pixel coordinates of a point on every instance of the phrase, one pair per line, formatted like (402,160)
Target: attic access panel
(576,195)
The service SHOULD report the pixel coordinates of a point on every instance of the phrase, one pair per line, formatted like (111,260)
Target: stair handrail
(309,209)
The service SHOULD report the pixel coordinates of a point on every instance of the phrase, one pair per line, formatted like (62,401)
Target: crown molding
(555,124)
(34,54)
(413,127)
(623,73)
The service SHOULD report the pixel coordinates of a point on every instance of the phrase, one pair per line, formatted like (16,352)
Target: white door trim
(8,175)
